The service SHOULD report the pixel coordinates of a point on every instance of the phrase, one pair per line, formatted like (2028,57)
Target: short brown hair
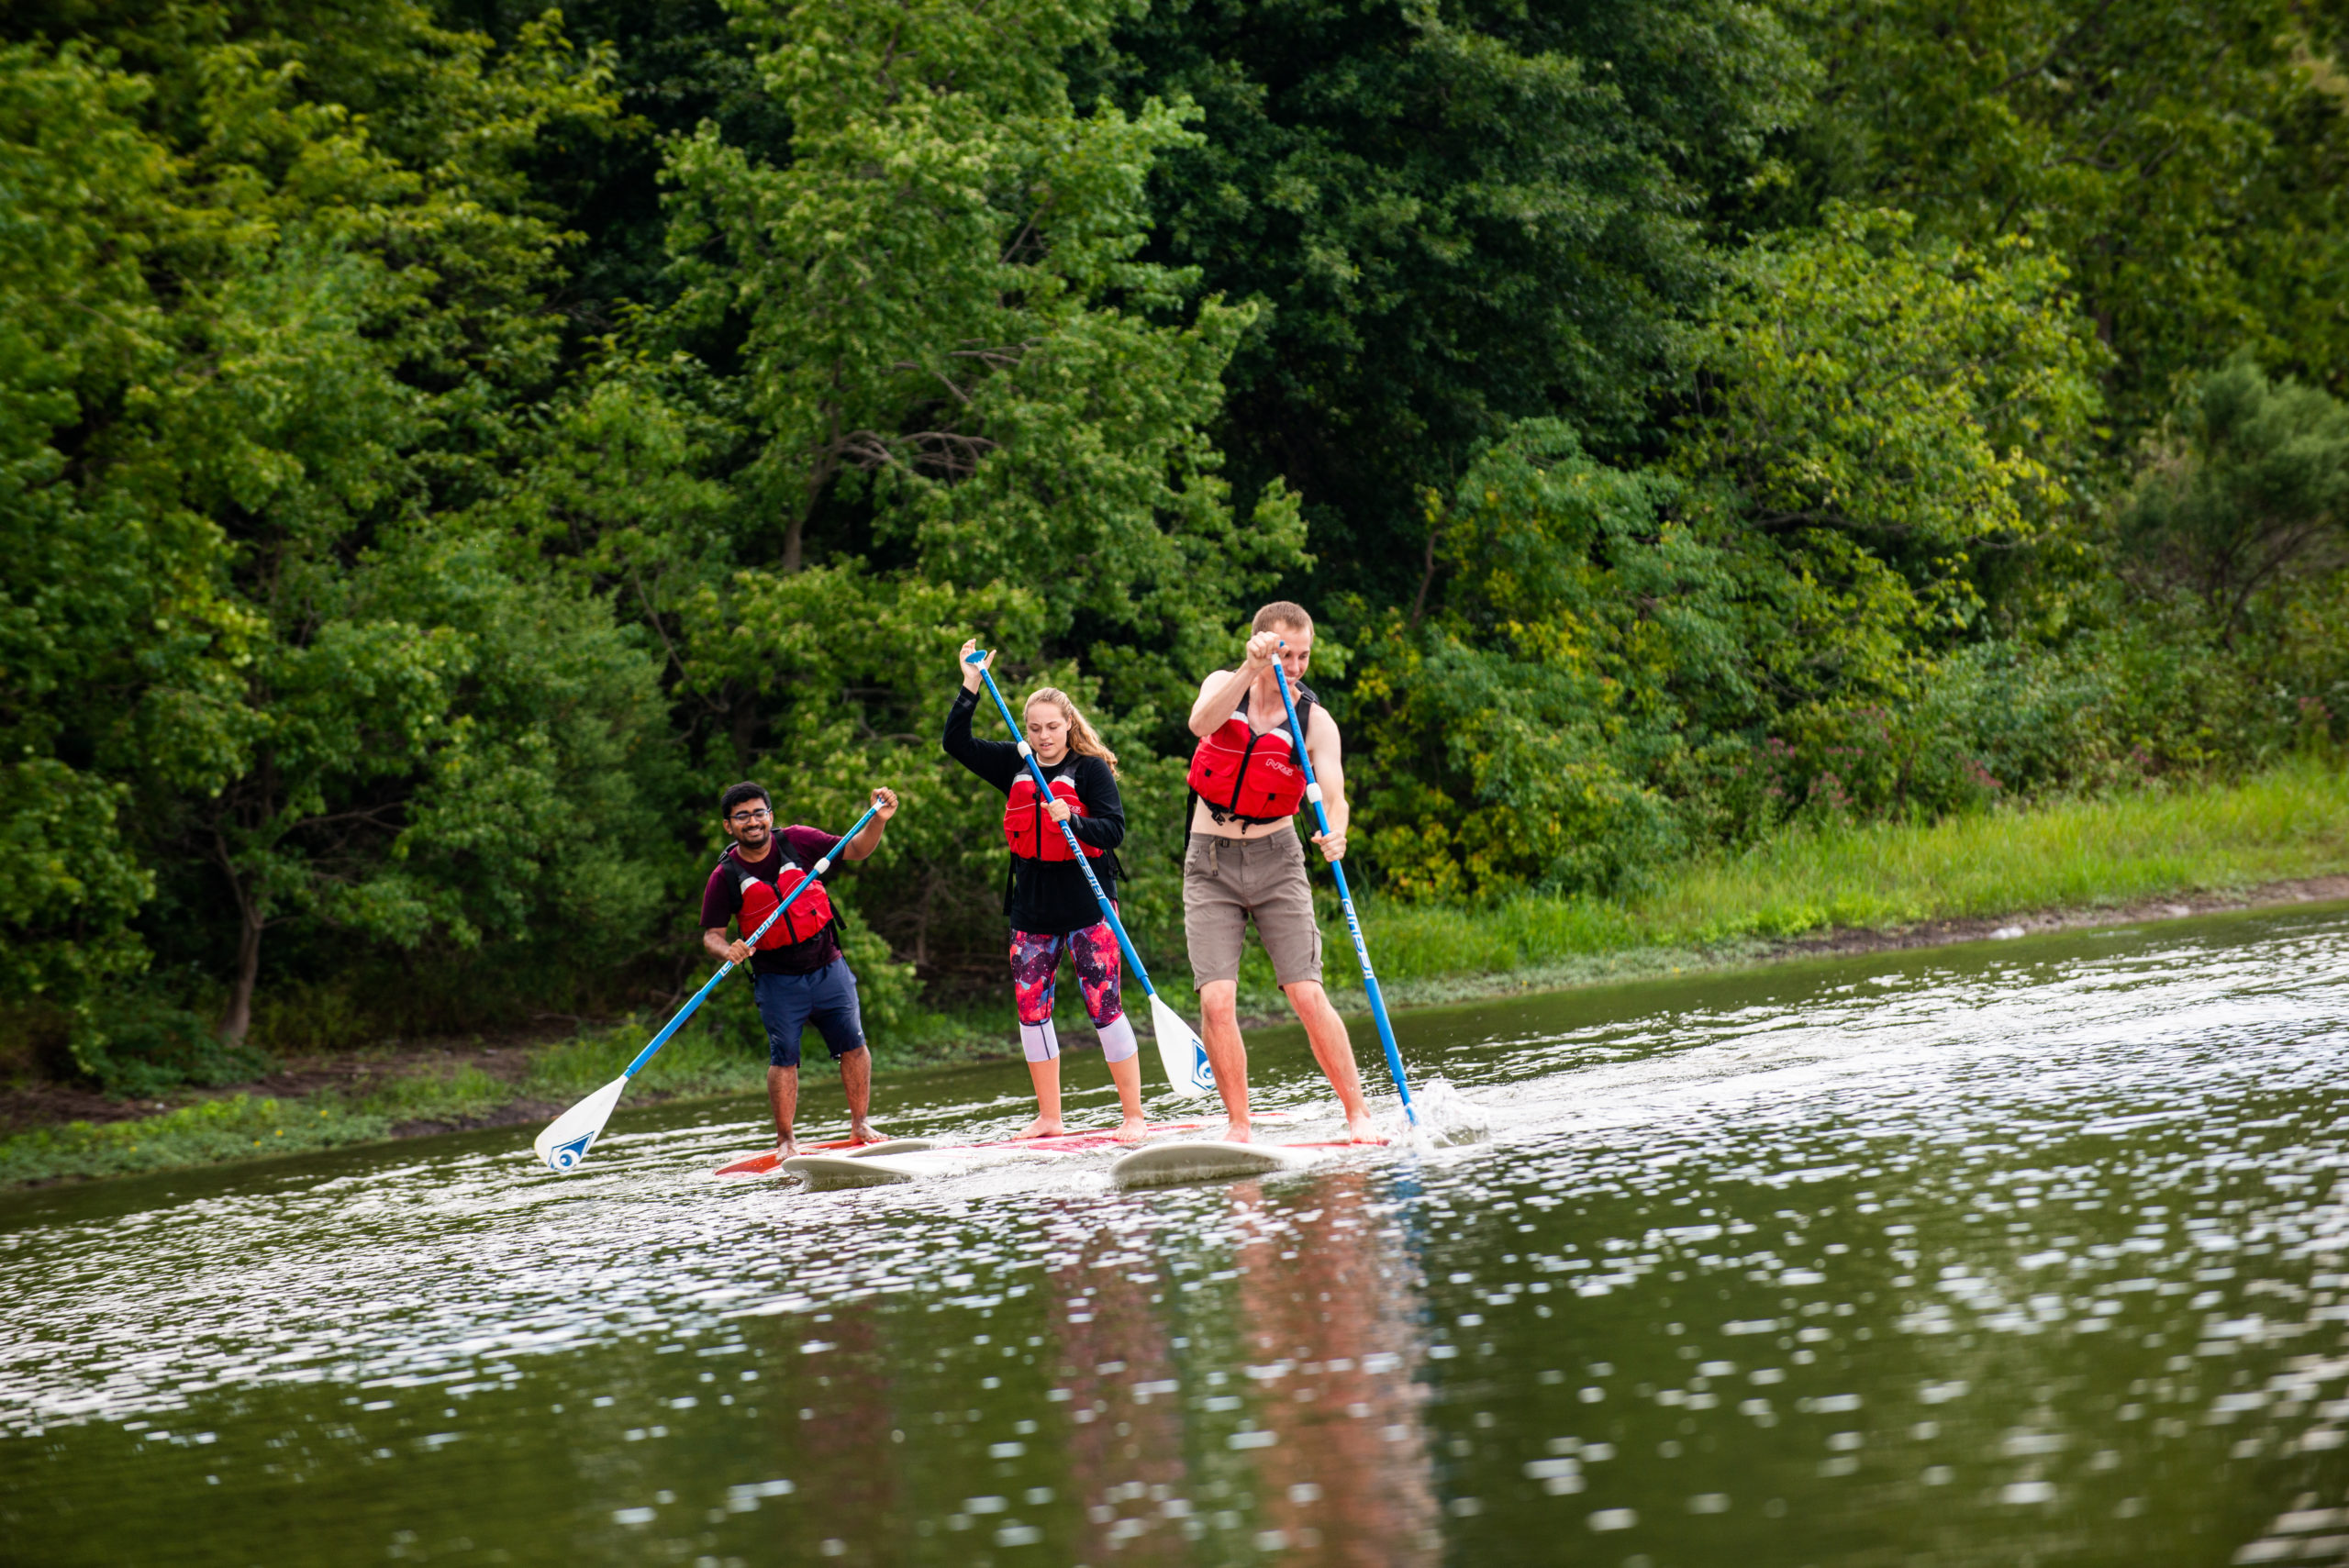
(1282,612)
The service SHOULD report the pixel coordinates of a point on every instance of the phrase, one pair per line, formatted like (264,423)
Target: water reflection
(1329,1310)
(2034,1255)
(1120,1385)
(840,1448)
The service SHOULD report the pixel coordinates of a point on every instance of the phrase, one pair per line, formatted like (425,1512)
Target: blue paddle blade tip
(974,656)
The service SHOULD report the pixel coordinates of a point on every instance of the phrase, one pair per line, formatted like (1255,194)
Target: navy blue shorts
(788,1003)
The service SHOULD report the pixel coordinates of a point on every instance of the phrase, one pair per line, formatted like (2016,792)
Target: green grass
(2291,822)
(244,1127)
(691,1063)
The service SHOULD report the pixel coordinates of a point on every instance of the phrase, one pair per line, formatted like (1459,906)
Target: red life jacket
(809,913)
(1257,778)
(1032,835)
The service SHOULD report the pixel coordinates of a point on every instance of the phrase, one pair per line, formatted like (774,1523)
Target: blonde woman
(1045,898)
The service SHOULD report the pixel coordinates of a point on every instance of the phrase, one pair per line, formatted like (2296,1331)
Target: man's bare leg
(1046,1076)
(1127,1075)
(1335,1051)
(1219,1032)
(856,1082)
(783,1093)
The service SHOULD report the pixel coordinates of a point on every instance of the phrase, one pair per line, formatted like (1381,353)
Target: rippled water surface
(2023,1254)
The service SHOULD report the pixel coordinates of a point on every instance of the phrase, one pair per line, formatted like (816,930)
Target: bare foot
(1045,1126)
(1133,1131)
(1236,1132)
(785,1148)
(859,1131)
(1361,1130)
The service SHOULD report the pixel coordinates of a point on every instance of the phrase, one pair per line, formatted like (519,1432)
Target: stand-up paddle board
(760,1164)
(872,1166)
(1213,1160)
(826,1172)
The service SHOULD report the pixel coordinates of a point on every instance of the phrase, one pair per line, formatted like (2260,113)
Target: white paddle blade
(566,1141)
(1180,1053)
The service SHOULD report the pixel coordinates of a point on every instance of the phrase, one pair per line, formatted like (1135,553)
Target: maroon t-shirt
(721,899)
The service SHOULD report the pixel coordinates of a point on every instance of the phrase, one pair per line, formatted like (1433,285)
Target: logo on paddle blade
(1202,1076)
(562,1157)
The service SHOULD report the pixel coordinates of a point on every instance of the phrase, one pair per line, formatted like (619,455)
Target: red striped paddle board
(826,1172)
(760,1164)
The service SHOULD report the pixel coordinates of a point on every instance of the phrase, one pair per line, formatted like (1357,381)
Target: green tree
(2186,163)
(2245,494)
(117,638)
(1526,731)
(443,746)
(1618,664)
(1457,215)
(1889,419)
(961,402)
(258,353)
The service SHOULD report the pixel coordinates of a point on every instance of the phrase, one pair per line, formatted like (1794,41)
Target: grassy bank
(2290,823)
(246,1126)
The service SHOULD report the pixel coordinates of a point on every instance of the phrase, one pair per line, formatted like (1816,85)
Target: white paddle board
(826,1172)
(1172,1164)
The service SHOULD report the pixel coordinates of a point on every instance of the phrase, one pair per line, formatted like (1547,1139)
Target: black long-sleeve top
(1048,897)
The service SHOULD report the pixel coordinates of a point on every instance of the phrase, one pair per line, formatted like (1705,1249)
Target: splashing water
(1448,1118)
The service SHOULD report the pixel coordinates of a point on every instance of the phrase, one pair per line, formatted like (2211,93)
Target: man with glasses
(796,982)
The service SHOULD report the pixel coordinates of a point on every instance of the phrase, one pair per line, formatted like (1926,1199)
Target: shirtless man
(1245,862)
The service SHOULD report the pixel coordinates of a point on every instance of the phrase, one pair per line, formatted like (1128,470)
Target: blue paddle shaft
(823,864)
(1346,899)
(1035,771)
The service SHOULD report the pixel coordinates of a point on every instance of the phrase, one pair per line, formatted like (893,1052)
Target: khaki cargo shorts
(1228,882)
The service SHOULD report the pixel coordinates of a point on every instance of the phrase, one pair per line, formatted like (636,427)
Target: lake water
(2027,1253)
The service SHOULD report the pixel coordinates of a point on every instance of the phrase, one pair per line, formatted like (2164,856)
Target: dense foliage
(438,450)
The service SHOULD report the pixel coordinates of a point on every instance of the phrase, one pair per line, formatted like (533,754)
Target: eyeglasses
(760,814)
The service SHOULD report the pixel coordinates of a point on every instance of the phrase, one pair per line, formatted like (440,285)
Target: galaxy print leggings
(1036,967)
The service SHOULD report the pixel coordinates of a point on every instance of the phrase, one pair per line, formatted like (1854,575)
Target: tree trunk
(746,730)
(1427,577)
(921,919)
(828,462)
(239,1021)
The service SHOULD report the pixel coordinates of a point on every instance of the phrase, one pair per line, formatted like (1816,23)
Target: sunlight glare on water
(2023,1253)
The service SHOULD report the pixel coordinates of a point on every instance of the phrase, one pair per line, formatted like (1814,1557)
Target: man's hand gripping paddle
(1369,979)
(1179,1051)
(567,1140)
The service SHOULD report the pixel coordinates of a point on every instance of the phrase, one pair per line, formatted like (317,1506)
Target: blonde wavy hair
(1083,739)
